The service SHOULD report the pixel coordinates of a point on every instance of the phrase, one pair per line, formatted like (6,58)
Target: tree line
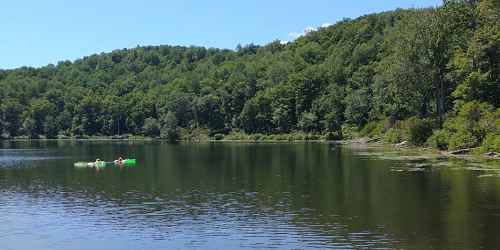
(391,74)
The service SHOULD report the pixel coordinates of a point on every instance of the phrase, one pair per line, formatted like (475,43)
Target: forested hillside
(423,75)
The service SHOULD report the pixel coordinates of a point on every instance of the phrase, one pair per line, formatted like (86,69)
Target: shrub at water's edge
(474,125)
(288,137)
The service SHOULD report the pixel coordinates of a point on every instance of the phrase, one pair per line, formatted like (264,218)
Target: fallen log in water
(492,154)
(372,140)
(461,151)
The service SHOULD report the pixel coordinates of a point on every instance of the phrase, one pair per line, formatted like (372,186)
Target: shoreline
(364,142)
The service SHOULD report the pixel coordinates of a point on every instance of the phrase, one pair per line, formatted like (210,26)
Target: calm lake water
(227,196)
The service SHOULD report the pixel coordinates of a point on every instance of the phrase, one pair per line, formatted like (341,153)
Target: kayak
(103,164)
(126,162)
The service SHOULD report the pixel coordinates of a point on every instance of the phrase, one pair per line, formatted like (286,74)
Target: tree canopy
(395,65)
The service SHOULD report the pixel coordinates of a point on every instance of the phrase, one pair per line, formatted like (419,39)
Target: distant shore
(364,142)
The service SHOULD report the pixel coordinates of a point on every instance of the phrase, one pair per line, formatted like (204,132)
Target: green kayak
(128,162)
(103,164)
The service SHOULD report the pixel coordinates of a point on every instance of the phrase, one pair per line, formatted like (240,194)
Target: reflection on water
(15,158)
(217,196)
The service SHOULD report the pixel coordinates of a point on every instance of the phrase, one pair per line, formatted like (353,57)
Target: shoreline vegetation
(425,78)
(404,146)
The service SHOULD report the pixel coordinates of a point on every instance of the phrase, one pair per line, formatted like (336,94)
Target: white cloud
(295,35)
(282,42)
(326,25)
(307,30)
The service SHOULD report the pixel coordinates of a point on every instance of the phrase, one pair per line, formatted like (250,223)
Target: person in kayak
(119,161)
(96,164)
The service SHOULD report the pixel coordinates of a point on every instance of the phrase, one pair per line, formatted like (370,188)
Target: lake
(237,195)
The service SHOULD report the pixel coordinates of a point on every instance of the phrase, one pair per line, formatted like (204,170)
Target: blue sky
(36,33)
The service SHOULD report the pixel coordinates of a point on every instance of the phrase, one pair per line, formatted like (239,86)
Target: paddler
(119,161)
(96,164)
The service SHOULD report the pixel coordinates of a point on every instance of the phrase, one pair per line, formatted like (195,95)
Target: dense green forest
(429,76)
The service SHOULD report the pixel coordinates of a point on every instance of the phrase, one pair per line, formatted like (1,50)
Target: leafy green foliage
(473,122)
(308,122)
(170,129)
(439,139)
(394,135)
(491,143)
(374,129)
(151,127)
(419,130)
(462,140)
(333,136)
(357,107)
(50,127)
(349,132)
